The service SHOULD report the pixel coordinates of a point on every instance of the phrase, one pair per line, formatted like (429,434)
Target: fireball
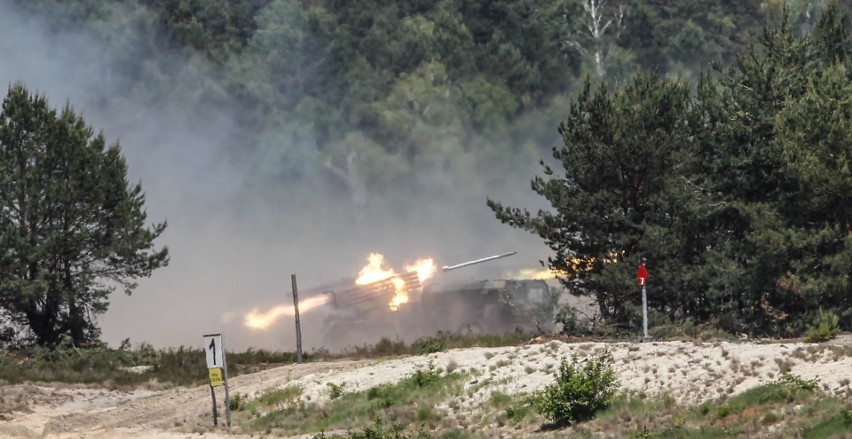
(374,271)
(425,268)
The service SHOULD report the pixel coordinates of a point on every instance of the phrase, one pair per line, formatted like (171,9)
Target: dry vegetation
(667,389)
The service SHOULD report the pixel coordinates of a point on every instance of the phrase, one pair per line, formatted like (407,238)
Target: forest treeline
(368,93)
(738,197)
(731,181)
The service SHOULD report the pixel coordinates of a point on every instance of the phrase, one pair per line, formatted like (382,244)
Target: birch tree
(597,28)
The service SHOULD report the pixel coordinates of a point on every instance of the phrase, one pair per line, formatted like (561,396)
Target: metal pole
(298,323)
(215,414)
(225,373)
(644,312)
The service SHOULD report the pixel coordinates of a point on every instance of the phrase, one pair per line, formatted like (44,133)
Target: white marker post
(217,367)
(642,276)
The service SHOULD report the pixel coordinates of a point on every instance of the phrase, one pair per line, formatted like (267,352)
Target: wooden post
(298,323)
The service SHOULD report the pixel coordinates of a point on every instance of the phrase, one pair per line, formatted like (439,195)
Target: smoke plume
(235,239)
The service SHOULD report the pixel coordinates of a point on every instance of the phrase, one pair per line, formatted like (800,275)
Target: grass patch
(784,389)
(512,410)
(441,341)
(410,402)
(789,406)
(186,366)
(839,425)
(113,367)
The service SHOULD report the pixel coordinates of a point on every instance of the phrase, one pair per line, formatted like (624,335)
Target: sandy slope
(691,372)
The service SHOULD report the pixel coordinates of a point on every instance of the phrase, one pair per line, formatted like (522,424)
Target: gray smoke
(235,240)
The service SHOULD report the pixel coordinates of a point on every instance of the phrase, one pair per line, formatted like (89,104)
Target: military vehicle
(364,314)
(487,306)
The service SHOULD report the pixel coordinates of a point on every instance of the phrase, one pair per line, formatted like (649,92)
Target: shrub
(428,345)
(787,388)
(386,346)
(383,394)
(846,414)
(423,378)
(580,390)
(236,402)
(334,390)
(826,326)
(571,324)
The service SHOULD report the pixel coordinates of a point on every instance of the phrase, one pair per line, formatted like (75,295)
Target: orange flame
(263,320)
(425,268)
(400,294)
(534,273)
(375,271)
(576,263)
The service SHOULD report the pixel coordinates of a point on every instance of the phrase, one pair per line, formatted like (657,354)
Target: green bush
(786,388)
(236,402)
(386,346)
(826,326)
(571,324)
(383,394)
(423,378)
(334,390)
(428,345)
(582,388)
(846,414)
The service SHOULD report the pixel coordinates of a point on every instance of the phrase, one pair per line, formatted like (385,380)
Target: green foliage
(825,327)
(514,408)
(412,400)
(386,346)
(180,366)
(236,402)
(99,364)
(784,389)
(735,196)
(428,345)
(580,391)
(70,223)
(427,377)
(335,390)
(622,157)
(390,394)
(837,426)
(452,78)
(286,397)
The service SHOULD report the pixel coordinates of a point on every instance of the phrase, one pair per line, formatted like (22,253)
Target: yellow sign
(216,377)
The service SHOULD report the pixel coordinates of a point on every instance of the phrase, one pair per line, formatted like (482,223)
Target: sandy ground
(689,371)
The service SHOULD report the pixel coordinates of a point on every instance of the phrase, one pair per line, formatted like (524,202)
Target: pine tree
(612,199)
(776,152)
(72,228)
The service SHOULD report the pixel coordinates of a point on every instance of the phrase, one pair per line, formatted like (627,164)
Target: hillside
(675,380)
